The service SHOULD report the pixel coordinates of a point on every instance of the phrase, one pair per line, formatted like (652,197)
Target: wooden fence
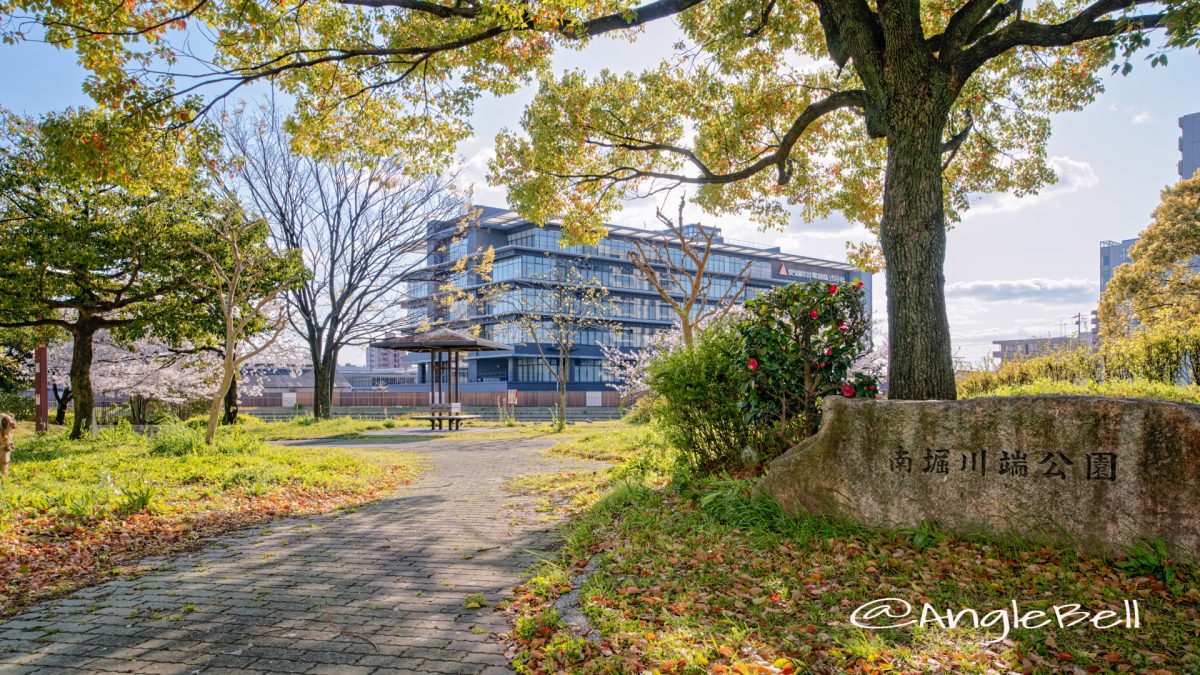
(416,399)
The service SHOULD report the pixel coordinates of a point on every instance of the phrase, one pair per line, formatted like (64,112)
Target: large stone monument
(1103,472)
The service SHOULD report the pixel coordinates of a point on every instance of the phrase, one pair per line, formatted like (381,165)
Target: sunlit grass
(71,511)
(608,442)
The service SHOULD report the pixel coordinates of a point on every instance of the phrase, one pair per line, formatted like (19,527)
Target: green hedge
(1112,388)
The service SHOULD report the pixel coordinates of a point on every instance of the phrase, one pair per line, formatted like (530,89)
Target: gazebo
(444,347)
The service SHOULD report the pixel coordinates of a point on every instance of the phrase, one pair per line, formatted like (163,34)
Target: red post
(41,389)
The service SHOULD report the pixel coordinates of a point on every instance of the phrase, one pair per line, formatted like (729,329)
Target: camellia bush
(799,344)
(696,393)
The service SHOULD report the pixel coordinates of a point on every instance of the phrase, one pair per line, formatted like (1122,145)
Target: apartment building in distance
(525,256)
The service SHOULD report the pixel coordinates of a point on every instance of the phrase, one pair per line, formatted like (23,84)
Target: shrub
(17,405)
(242,420)
(1063,365)
(699,390)
(1166,352)
(234,441)
(799,343)
(642,411)
(83,504)
(176,439)
(139,498)
(1110,388)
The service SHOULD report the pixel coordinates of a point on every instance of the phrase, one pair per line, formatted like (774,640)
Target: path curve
(381,589)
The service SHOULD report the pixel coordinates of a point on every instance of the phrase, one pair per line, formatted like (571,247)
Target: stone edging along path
(381,589)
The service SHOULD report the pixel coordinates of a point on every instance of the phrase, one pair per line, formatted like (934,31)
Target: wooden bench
(449,414)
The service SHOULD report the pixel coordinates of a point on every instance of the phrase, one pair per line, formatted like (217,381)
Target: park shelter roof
(441,339)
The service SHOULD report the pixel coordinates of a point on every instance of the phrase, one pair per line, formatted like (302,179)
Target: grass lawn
(303,428)
(632,450)
(306,428)
(607,442)
(695,576)
(76,511)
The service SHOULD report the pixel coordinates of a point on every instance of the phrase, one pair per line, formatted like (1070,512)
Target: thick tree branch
(962,23)
(652,11)
(469,11)
(1087,25)
(779,159)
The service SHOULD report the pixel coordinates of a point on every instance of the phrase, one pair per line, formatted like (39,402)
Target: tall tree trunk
(138,409)
(231,403)
(320,403)
(81,378)
(324,373)
(228,372)
(62,399)
(564,375)
(913,237)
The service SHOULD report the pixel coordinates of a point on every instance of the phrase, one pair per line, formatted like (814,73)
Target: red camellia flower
(812,313)
(753,363)
(832,289)
(848,390)
(842,326)
(829,352)
(859,284)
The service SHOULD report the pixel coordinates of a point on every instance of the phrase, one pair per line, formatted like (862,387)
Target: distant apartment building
(1189,145)
(526,254)
(384,358)
(1116,253)
(1113,254)
(1017,350)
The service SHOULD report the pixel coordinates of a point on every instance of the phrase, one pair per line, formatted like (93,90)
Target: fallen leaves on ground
(679,591)
(49,554)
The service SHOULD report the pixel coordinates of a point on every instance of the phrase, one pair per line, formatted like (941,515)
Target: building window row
(610,275)
(628,337)
(549,240)
(529,300)
(582,371)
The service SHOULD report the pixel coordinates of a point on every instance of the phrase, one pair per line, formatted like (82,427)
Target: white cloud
(1036,289)
(1073,175)
(475,171)
(1141,117)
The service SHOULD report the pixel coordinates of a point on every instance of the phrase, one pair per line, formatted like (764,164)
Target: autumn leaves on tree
(890,113)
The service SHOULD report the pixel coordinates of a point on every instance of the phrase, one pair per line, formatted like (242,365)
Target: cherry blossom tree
(629,367)
(144,372)
(248,280)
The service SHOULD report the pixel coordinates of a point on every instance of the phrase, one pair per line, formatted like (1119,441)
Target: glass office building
(526,257)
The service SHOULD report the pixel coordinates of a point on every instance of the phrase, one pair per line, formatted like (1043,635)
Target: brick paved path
(379,590)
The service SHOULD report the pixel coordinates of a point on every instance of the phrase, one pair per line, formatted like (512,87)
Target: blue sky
(1014,267)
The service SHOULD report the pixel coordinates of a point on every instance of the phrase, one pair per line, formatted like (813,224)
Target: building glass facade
(526,256)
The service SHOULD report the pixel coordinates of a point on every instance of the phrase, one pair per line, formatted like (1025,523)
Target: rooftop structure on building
(525,255)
